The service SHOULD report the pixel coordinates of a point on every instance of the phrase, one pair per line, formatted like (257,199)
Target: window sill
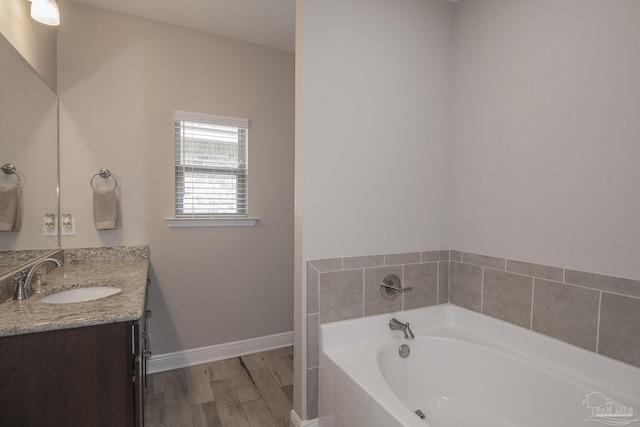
(210,222)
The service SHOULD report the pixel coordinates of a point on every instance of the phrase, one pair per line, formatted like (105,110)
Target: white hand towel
(105,209)
(8,208)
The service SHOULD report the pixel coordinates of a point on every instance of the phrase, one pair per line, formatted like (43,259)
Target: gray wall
(120,80)
(373,80)
(545,134)
(35,42)
(540,161)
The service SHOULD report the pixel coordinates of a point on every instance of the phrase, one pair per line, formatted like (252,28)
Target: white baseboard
(197,356)
(297,422)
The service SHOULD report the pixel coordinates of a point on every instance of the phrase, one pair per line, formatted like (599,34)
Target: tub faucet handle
(392,285)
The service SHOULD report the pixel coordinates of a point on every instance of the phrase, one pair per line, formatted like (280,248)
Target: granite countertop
(31,315)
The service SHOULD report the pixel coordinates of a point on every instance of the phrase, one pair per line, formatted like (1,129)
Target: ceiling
(264,22)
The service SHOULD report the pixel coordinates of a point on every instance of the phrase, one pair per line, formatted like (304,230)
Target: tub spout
(397,325)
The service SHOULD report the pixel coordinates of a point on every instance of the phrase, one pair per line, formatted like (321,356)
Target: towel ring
(104,173)
(10,169)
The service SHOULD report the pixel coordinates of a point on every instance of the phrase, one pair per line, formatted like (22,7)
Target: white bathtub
(467,370)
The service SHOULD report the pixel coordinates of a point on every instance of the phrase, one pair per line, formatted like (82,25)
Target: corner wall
(120,80)
(541,161)
(372,129)
(544,149)
(36,42)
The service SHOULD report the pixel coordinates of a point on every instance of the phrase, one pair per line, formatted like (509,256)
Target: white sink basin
(81,294)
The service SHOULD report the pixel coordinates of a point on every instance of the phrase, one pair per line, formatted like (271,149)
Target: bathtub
(466,370)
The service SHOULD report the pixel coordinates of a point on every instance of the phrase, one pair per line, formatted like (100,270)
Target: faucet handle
(391,284)
(23,288)
(21,291)
(22,278)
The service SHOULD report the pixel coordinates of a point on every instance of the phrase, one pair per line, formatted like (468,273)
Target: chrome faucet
(23,288)
(397,325)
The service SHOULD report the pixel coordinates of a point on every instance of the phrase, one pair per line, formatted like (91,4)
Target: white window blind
(211,168)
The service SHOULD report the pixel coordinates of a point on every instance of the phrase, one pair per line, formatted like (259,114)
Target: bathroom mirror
(29,141)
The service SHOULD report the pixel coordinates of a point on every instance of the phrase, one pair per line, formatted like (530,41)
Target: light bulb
(45,12)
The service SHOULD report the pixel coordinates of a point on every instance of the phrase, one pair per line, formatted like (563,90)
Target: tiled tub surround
(596,312)
(124,267)
(347,288)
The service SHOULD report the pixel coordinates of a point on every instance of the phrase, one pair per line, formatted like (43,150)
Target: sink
(81,294)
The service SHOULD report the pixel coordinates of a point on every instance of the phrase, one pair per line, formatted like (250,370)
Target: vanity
(78,363)
(67,363)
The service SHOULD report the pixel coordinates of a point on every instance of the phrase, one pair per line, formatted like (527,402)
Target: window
(211,166)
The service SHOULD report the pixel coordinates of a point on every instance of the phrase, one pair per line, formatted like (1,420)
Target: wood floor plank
(175,387)
(278,368)
(278,403)
(228,405)
(178,414)
(288,390)
(218,371)
(253,361)
(242,382)
(285,351)
(258,414)
(205,415)
(198,383)
(155,383)
(154,409)
(244,393)
(176,399)
(288,362)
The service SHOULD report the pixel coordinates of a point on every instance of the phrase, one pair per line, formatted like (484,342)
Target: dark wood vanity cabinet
(89,376)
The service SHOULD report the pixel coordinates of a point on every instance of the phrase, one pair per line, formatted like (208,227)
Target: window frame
(240,217)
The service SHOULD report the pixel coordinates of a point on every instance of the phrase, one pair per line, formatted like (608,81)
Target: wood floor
(249,391)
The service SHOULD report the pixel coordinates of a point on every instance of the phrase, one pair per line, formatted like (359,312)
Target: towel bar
(105,174)
(10,169)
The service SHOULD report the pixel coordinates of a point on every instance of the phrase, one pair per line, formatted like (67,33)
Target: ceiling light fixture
(45,12)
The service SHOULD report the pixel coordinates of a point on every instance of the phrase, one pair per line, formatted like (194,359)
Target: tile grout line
(613,293)
(533,287)
(589,288)
(363,296)
(437,283)
(449,281)
(598,328)
(482,293)
(402,286)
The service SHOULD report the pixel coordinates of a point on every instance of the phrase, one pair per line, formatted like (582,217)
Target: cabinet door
(73,377)
(143,352)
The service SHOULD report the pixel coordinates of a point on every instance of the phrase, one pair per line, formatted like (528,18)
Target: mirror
(29,141)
